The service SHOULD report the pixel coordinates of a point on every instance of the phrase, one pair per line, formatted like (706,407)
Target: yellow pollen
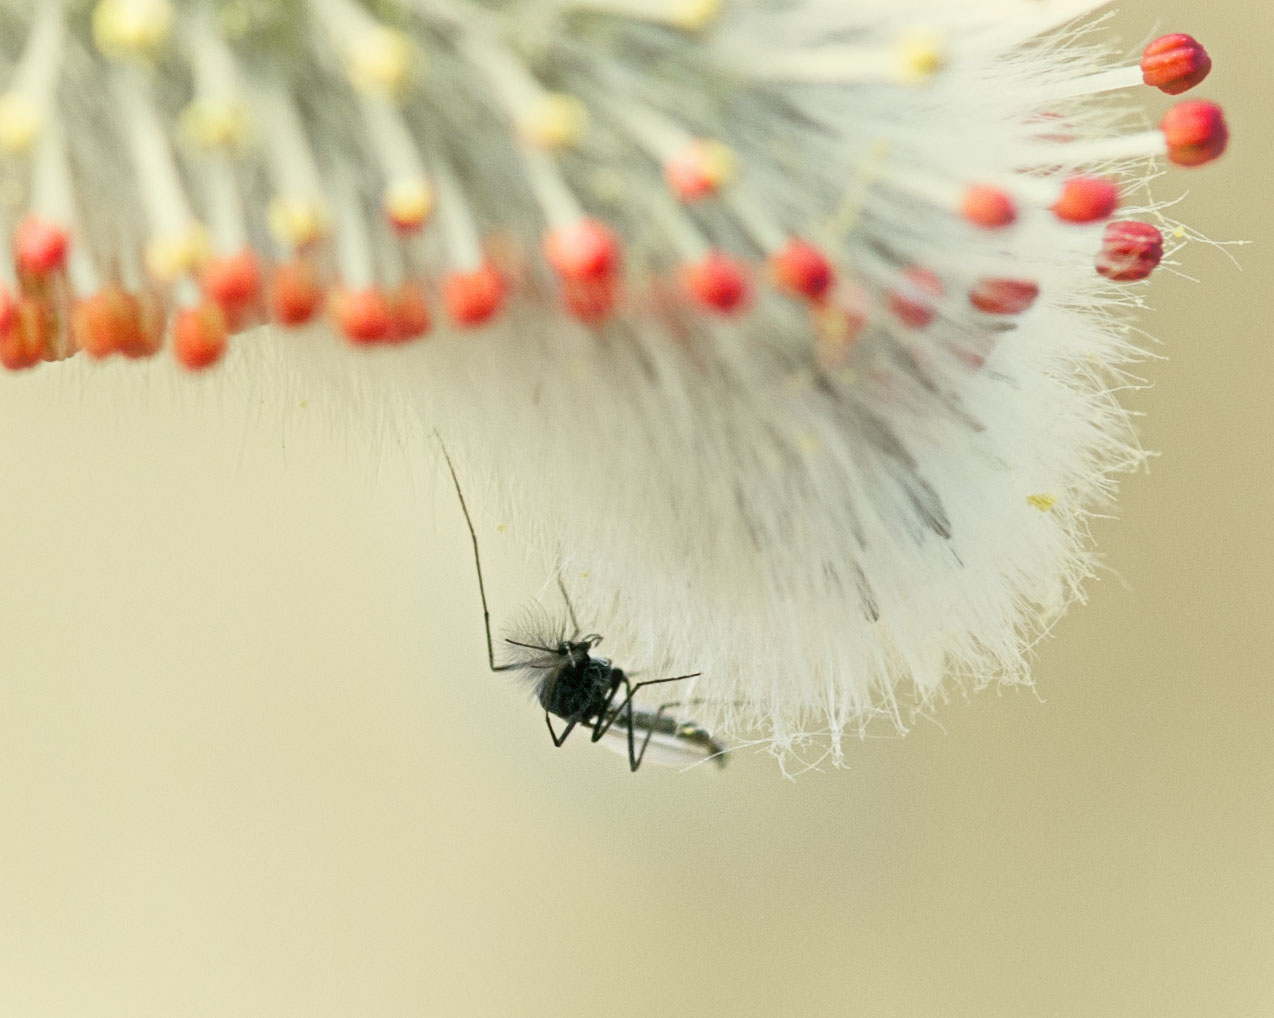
(296,223)
(554,121)
(378,60)
(215,122)
(920,56)
(1042,502)
(409,201)
(170,257)
(808,444)
(131,28)
(719,162)
(20,122)
(692,15)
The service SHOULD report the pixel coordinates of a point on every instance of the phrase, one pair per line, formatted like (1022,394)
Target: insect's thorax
(579,689)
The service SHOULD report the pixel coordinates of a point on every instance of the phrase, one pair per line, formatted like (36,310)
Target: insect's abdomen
(579,690)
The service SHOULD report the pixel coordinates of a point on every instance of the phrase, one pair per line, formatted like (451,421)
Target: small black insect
(582,689)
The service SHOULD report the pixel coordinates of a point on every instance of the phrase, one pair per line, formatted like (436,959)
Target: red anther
(39,247)
(1003,296)
(148,340)
(1086,200)
(1130,251)
(24,341)
(108,322)
(199,335)
(988,207)
(473,297)
(410,312)
(718,283)
(698,170)
(296,294)
(364,316)
(803,270)
(1194,132)
(1175,63)
(590,302)
(234,282)
(916,303)
(585,250)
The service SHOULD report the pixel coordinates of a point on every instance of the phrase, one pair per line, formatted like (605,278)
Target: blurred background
(251,762)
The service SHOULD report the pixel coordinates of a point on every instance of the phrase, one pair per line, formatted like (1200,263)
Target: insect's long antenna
(477,560)
(569,607)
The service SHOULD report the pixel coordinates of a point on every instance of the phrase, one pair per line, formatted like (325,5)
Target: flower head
(782,326)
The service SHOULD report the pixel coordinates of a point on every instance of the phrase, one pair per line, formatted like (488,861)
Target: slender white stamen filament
(354,257)
(37,71)
(391,140)
(52,197)
(658,135)
(460,233)
(760,226)
(910,60)
(226,217)
(558,204)
(689,14)
(161,189)
(1104,150)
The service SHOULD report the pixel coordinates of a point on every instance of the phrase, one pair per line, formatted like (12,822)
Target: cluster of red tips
(1003,296)
(1086,200)
(199,335)
(1130,251)
(115,321)
(370,317)
(472,298)
(916,303)
(988,207)
(718,283)
(39,247)
(802,270)
(235,283)
(1194,132)
(1175,63)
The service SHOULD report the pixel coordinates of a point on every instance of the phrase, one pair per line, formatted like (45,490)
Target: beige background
(250,763)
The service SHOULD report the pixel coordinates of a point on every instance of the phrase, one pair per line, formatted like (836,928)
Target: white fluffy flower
(784,328)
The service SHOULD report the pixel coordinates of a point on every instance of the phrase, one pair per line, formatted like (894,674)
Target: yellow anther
(131,28)
(719,161)
(693,15)
(378,60)
(1042,502)
(171,256)
(296,223)
(920,56)
(215,122)
(409,201)
(20,122)
(554,121)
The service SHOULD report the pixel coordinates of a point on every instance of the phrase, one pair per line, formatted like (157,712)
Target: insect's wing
(673,743)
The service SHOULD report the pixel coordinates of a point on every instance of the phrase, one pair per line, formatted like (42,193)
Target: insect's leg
(477,561)
(650,730)
(558,740)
